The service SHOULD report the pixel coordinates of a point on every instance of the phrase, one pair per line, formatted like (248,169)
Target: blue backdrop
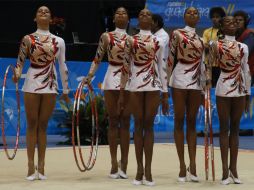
(172,10)
(76,71)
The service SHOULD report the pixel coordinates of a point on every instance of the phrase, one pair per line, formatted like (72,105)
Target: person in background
(113,44)
(211,34)
(246,36)
(40,87)
(157,30)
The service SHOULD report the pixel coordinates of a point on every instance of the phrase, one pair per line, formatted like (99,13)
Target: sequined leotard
(232,57)
(42,48)
(146,63)
(187,47)
(113,43)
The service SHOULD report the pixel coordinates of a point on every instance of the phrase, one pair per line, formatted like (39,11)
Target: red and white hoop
(2,114)
(86,91)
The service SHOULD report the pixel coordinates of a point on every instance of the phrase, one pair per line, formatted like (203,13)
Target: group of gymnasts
(142,68)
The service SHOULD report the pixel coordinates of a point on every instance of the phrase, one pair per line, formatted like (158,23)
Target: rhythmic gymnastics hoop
(206,142)
(208,129)
(211,133)
(2,115)
(91,98)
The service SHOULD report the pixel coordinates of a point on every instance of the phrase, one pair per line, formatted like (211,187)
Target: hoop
(208,130)
(206,142)
(2,115)
(75,125)
(211,133)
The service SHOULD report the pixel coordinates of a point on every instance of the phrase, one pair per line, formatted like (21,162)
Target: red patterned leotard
(113,43)
(232,56)
(146,63)
(187,47)
(42,48)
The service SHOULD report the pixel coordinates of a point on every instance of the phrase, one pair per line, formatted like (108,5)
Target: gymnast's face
(229,25)
(121,18)
(43,15)
(191,17)
(145,19)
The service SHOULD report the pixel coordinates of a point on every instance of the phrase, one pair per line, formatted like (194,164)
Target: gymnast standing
(185,54)
(113,44)
(145,77)
(40,87)
(232,94)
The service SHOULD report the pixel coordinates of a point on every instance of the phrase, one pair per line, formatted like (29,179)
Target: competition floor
(63,174)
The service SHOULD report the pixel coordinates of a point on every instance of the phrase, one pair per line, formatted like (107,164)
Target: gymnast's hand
(15,79)
(87,79)
(65,98)
(120,103)
(202,101)
(164,103)
(247,104)
(165,106)
(208,85)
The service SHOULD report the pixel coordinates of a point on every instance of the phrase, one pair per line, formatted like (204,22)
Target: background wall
(87,18)
(172,11)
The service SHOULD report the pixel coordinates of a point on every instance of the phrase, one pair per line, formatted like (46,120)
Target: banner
(60,118)
(172,10)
